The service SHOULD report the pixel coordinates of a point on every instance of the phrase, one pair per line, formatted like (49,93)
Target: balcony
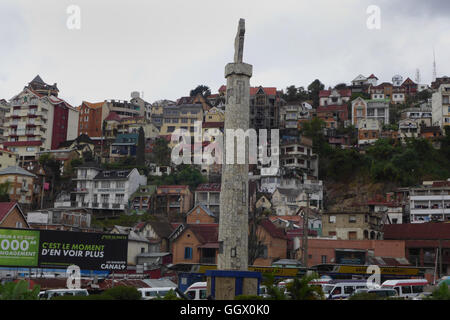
(81,190)
(85,204)
(174,205)
(95,205)
(105,205)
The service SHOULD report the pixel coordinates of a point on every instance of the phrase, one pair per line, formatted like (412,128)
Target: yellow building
(215,115)
(7,158)
(21,184)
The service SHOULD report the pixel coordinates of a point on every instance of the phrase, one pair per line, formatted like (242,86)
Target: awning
(211,245)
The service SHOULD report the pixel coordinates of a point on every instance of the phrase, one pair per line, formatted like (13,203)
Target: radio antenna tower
(418,76)
(434,66)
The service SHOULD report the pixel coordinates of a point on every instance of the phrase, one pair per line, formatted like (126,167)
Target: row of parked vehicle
(333,289)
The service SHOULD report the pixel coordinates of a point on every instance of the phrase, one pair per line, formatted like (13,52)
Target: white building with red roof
(38,120)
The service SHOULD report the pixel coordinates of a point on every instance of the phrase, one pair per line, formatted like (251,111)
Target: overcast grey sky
(166,48)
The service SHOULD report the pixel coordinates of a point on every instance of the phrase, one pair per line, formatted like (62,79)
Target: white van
(344,289)
(197,291)
(408,289)
(153,293)
(48,294)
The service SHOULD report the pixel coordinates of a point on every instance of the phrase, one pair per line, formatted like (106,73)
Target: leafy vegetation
(122,220)
(300,289)
(386,161)
(184,175)
(441,293)
(19,291)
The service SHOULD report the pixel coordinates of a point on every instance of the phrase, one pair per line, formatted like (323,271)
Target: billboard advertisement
(60,249)
(19,248)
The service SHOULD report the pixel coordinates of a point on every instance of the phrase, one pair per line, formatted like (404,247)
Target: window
(348,290)
(406,289)
(120,198)
(417,289)
(19,224)
(332,219)
(188,253)
(120,184)
(324,259)
(352,219)
(352,235)
(105,184)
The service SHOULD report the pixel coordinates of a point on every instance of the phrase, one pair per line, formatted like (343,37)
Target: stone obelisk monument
(233,224)
(231,277)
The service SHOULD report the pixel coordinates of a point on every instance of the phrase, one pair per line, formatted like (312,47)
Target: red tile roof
(343,93)
(209,187)
(206,233)
(271,91)
(5,208)
(213,124)
(273,230)
(419,231)
(22,143)
(113,116)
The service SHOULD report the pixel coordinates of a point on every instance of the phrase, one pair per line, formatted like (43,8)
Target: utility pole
(305,231)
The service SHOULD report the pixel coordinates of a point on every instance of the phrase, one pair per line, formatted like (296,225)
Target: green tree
(441,293)
(140,154)
(19,291)
(300,289)
(123,293)
(203,90)
(273,291)
(4,191)
(161,152)
(314,89)
(291,94)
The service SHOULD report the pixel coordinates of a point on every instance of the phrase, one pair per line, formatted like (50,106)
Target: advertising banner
(60,249)
(19,248)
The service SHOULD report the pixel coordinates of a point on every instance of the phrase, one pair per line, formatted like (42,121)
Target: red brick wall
(382,248)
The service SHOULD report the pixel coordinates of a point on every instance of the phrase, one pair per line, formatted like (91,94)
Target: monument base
(226,285)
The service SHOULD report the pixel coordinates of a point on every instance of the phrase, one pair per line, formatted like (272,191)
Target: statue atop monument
(239,42)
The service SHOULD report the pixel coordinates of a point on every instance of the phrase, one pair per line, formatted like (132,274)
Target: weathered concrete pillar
(233,226)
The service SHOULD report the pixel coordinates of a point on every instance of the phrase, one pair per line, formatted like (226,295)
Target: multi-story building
(173,201)
(286,201)
(353,225)
(298,155)
(265,103)
(67,219)
(441,106)
(370,109)
(7,158)
(38,120)
(91,118)
(208,195)
(4,108)
(21,185)
(369,131)
(125,145)
(334,97)
(291,117)
(408,128)
(105,191)
(179,117)
(143,198)
(430,202)
(422,115)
